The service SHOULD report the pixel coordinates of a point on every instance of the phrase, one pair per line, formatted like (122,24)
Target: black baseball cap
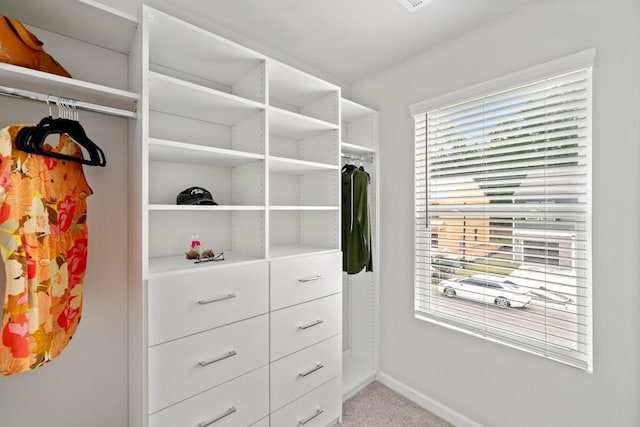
(195,196)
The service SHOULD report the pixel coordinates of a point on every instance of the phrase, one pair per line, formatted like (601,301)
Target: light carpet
(378,406)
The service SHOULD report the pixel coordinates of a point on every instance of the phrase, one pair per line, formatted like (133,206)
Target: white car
(487,288)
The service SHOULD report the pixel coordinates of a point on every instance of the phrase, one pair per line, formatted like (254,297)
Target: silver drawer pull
(306,420)
(215,420)
(310,278)
(311,325)
(217,359)
(216,299)
(318,367)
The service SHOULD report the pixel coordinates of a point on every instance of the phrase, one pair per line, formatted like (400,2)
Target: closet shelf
(355,149)
(46,83)
(352,111)
(296,126)
(303,208)
(180,152)
(295,87)
(90,21)
(200,208)
(179,265)
(297,167)
(174,96)
(179,45)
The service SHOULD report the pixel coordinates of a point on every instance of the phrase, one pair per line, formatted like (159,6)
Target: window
(503,181)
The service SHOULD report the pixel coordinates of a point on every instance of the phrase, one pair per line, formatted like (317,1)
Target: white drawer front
(185,367)
(302,325)
(305,370)
(184,305)
(320,408)
(297,280)
(236,403)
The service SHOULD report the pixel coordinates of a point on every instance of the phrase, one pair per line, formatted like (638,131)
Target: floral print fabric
(43,244)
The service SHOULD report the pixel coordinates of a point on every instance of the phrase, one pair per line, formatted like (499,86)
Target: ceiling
(343,40)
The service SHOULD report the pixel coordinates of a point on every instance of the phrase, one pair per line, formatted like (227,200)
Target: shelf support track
(81,105)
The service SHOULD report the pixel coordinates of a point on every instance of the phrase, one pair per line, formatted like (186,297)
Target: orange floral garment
(43,243)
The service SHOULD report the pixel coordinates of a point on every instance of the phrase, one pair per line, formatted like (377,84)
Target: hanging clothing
(356,224)
(43,244)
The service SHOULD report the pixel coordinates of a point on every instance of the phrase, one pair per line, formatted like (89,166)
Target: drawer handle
(215,420)
(311,278)
(216,299)
(311,325)
(306,420)
(217,359)
(317,367)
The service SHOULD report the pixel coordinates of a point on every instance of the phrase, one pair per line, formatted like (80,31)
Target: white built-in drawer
(300,279)
(320,408)
(297,327)
(182,368)
(239,402)
(301,372)
(190,303)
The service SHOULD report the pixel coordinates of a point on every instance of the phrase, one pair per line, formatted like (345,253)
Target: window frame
(581,60)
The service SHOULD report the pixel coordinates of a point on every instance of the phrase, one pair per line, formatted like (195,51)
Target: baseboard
(426,402)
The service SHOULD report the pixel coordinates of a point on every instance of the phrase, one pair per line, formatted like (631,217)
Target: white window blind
(502,216)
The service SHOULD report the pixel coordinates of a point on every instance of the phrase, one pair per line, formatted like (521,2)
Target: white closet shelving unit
(359,126)
(202,125)
(264,139)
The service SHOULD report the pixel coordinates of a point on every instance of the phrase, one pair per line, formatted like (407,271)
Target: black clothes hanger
(361,169)
(31,140)
(349,168)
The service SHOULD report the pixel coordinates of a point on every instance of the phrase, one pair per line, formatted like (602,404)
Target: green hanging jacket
(356,226)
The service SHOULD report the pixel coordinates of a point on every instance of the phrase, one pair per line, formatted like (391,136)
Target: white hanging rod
(26,94)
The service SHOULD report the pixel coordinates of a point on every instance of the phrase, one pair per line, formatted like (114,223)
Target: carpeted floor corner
(378,406)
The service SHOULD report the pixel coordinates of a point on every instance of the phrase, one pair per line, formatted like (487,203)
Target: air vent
(413,5)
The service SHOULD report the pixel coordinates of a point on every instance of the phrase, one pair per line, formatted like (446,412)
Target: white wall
(87,384)
(489,383)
